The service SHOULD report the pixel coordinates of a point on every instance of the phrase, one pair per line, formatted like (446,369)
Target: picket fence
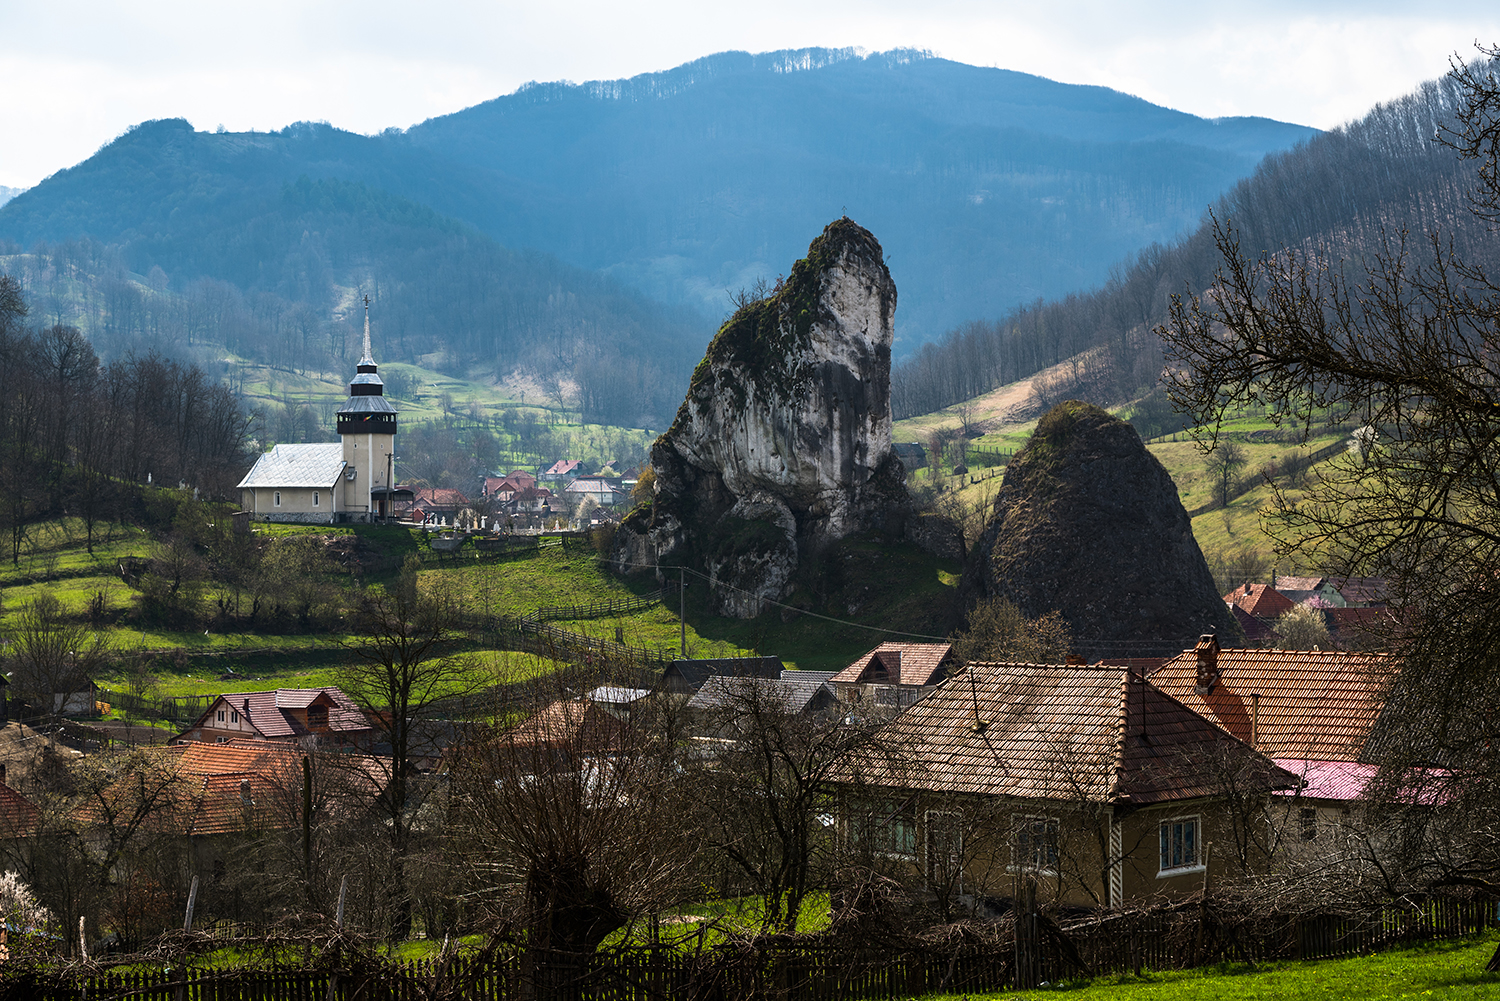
(1129,942)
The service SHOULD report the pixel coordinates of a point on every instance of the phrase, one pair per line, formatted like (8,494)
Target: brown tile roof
(1260,600)
(1299,583)
(1097,734)
(899,664)
(268,711)
(1315,705)
(578,726)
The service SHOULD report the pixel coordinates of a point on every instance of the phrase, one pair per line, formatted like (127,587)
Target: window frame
(885,828)
(1186,822)
(1308,823)
(1030,855)
(277,494)
(317,498)
(949,823)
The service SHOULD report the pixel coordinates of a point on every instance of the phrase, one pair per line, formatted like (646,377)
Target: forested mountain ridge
(1378,185)
(990,188)
(247,253)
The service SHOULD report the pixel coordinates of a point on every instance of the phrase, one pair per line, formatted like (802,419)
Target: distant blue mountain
(987,188)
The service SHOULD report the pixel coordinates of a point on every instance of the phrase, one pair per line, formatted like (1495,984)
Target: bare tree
(50,658)
(574,823)
(766,794)
(406,662)
(1405,341)
(998,632)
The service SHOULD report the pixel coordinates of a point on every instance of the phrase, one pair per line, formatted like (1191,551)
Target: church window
(278,498)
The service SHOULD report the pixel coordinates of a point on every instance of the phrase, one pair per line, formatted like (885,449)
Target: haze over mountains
(478,231)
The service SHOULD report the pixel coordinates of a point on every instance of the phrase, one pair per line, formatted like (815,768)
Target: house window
(1309,823)
(234,716)
(884,827)
(1181,839)
(315,498)
(1036,843)
(945,849)
(317,715)
(278,498)
(221,715)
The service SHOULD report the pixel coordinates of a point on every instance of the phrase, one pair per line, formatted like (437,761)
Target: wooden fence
(599,609)
(1120,943)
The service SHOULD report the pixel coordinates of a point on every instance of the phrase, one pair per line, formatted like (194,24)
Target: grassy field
(1446,970)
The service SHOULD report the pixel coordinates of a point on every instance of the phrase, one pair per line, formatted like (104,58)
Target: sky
(74,74)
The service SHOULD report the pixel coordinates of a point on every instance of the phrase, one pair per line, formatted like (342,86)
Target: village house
(721,707)
(286,714)
(895,674)
(597,489)
(211,798)
(512,482)
(1088,779)
(562,471)
(686,677)
(1256,608)
(1314,712)
(437,505)
(350,480)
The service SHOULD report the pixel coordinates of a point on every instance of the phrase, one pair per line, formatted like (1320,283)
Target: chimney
(1075,660)
(1254,719)
(1208,663)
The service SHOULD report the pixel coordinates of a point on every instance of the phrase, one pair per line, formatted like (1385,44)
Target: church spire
(367,358)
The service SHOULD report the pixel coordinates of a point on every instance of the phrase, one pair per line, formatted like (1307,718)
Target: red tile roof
(1096,734)
(249,784)
(1314,705)
(1260,600)
(899,664)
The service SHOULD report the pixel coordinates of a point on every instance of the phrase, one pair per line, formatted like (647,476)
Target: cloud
(78,74)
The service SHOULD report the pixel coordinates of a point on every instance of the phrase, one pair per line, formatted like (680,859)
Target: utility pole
(390,487)
(682,612)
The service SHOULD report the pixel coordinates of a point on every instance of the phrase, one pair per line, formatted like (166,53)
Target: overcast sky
(76,73)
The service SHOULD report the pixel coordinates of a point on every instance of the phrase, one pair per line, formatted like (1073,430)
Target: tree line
(269,280)
(80,437)
(1347,193)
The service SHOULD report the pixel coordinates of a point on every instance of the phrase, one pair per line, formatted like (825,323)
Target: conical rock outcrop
(1087,522)
(783,443)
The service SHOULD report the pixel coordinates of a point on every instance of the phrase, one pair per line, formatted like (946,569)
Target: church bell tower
(367,427)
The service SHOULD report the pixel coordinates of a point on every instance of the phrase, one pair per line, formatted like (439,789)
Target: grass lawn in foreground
(1438,970)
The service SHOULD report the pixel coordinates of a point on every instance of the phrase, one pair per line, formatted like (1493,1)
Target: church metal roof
(317,465)
(367,405)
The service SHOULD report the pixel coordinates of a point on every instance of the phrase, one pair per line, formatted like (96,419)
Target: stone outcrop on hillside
(1088,523)
(784,441)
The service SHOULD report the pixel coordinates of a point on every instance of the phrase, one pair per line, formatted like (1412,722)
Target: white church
(347,481)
